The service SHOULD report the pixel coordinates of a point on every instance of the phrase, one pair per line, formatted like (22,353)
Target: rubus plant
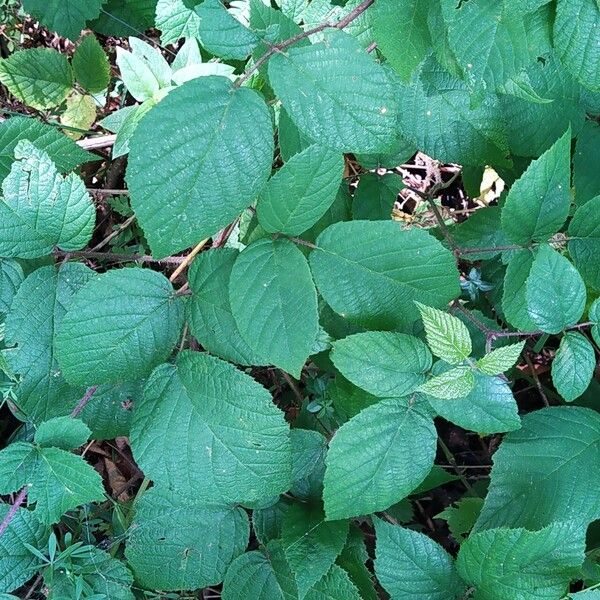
(325,378)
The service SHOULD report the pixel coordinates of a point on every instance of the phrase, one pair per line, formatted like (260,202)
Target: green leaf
(80,113)
(377,458)
(371,272)
(586,163)
(455,383)
(584,245)
(311,544)
(345,104)
(461,517)
(447,336)
(274,303)
(489,407)
(375,196)
(175,20)
(586,595)
(42,210)
(129,125)
(402,34)
(11,277)
(555,291)
(514,302)
(594,314)
(300,193)
(17,563)
(336,585)
(62,432)
(179,543)
(353,559)
(90,65)
(240,440)
(119,327)
(573,366)
(222,34)
(209,311)
(538,203)
(291,140)
(481,230)
(501,359)
(35,315)
(575,29)
(308,448)
(39,77)
(58,480)
(181,188)
(411,566)
(65,17)
(507,564)
(385,364)
(348,399)
(63,151)
(123,17)
(536,479)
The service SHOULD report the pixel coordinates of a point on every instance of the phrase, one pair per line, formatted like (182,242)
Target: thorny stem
(12,511)
(281,46)
(82,403)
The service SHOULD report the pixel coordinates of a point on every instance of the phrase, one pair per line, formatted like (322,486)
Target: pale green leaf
(65,17)
(62,432)
(573,366)
(42,210)
(501,359)
(119,327)
(411,566)
(79,114)
(175,20)
(129,125)
(454,383)
(386,364)
(181,188)
(274,303)
(90,65)
(372,271)
(538,203)
(153,58)
(238,439)
(179,543)
(39,77)
(336,94)
(377,458)
(137,75)
(584,243)
(300,193)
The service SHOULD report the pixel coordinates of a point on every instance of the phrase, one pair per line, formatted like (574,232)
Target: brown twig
(84,400)
(114,234)
(12,511)
(188,259)
(536,379)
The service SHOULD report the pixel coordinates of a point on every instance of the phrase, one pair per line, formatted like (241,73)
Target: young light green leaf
(39,77)
(584,245)
(573,366)
(65,17)
(300,193)
(274,303)
(447,336)
(137,75)
(62,432)
(507,564)
(241,440)
(536,478)
(42,210)
(455,383)
(501,359)
(538,203)
(119,327)
(181,189)
(372,271)
(555,291)
(346,105)
(90,65)
(386,364)
(377,458)
(175,21)
(180,543)
(411,566)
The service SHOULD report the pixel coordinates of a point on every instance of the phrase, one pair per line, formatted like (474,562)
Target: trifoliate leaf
(119,327)
(179,543)
(39,77)
(375,196)
(347,104)
(62,432)
(501,359)
(238,439)
(11,277)
(573,366)
(175,20)
(507,564)
(377,458)
(41,210)
(336,585)
(90,65)
(447,336)
(385,364)
(538,203)
(536,479)
(371,272)
(454,383)
(58,480)
(300,193)
(584,245)
(274,303)
(65,17)
(555,291)
(182,190)
(411,566)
